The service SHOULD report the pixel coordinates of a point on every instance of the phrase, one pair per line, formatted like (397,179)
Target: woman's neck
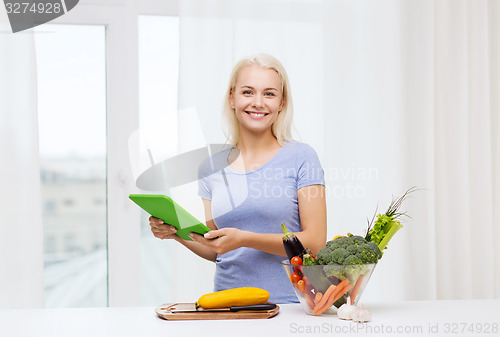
(253,151)
(250,143)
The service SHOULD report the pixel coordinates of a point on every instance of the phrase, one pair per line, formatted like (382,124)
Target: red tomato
(295,277)
(297,261)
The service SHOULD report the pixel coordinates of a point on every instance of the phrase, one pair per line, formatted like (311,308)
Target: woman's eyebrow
(250,87)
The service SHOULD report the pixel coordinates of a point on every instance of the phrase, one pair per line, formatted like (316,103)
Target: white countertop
(416,318)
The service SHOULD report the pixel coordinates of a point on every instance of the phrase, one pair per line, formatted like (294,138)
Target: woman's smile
(257,115)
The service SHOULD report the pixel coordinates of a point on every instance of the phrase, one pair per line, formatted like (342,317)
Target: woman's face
(257,98)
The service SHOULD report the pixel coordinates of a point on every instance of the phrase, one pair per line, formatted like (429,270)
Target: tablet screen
(162,207)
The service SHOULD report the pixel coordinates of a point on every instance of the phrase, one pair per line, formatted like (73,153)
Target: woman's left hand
(221,240)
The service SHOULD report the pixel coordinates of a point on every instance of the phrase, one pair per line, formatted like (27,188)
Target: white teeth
(257,114)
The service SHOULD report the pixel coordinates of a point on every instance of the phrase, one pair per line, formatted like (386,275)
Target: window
(158,70)
(97,49)
(72,129)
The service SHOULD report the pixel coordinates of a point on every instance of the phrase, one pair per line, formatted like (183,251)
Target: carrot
(341,292)
(341,285)
(325,297)
(319,311)
(318,297)
(301,286)
(355,290)
(338,292)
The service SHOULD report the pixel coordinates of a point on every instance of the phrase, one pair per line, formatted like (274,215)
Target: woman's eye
(269,94)
(247,92)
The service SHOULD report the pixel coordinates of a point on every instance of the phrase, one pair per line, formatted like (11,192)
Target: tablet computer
(162,207)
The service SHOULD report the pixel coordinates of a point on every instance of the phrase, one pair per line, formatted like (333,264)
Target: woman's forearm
(201,250)
(273,243)
(312,236)
(269,243)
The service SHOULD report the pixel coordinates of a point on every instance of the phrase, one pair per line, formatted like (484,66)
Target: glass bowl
(321,289)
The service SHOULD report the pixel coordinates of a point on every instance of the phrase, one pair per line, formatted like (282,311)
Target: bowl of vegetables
(338,275)
(341,270)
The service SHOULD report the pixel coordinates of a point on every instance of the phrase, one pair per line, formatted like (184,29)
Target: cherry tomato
(297,261)
(295,277)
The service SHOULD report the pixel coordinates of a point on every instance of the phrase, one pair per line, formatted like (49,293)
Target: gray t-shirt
(258,201)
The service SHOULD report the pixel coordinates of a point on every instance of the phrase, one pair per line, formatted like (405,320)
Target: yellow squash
(235,296)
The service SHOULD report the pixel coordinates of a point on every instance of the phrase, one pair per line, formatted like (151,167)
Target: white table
(412,318)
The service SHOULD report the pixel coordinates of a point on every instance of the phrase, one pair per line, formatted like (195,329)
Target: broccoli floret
(341,272)
(352,259)
(370,253)
(335,270)
(358,240)
(347,258)
(324,256)
(342,241)
(350,250)
(339,255)
(333,256)
(354,271)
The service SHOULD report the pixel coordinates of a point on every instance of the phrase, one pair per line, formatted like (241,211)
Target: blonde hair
(282,127)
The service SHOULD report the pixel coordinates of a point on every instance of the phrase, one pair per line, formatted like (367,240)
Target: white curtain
(391,94)
(21,251)
(467,153)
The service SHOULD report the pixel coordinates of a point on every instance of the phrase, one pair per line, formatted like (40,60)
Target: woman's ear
(231,99)
(281,104)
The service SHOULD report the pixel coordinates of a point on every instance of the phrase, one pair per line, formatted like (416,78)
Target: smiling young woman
(268,178)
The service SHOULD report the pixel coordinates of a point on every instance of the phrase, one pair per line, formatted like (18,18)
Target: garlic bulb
(345,311)
(361,314)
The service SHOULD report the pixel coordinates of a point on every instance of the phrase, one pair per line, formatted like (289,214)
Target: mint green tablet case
(163,207)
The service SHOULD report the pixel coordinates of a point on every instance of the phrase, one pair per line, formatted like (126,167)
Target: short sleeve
(206,170)
(309,170)
(204,188)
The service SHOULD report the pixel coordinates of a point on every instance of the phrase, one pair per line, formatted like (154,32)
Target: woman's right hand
(162,230)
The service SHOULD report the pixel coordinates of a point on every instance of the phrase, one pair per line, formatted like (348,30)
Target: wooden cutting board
(164,312)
